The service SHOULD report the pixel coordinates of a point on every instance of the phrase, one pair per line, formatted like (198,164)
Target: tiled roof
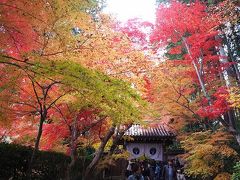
(160,131)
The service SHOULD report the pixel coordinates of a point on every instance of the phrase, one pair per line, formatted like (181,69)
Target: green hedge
(14,161)
(236,174)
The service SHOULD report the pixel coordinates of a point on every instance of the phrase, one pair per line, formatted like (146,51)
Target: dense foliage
(72,77)
(236,174)
(195,85)
(61,62)
(15,158)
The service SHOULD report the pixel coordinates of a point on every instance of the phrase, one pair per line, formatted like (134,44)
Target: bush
(14,161)
(223,176)
(236,174)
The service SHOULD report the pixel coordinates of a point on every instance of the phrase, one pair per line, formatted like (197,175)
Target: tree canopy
(74,78)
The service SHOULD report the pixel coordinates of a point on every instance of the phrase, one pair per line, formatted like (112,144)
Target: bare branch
(64,118)
(54,101)
(87,128)
(36,95)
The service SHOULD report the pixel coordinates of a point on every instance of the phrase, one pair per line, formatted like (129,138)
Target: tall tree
(194,38)
(48,46)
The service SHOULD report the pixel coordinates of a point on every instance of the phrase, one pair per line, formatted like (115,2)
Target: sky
(128,9)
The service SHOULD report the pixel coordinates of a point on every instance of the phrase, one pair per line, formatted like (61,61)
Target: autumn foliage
(71,78)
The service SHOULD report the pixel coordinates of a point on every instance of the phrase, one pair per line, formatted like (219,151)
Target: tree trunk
(36,146)
(230,116)
(235,66)
(232,125)
(73,147)
(237,136)
(98,154)
(232,120)
(200,79)
(75,133)
(116,140)
(225,73)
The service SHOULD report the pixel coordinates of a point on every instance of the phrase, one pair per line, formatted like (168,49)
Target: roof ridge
(160,130)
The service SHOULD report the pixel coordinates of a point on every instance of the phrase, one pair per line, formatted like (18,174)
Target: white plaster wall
(144,149)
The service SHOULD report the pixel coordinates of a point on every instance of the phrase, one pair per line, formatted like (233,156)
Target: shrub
(236,174)
(14,161)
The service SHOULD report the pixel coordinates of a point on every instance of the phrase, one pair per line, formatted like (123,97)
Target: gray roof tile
(161,130)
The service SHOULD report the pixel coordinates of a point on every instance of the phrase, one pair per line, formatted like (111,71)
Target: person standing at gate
(129,169)
(136,170)
(146,171)
(157,171)
(176,163)
(180,175)
(169,172)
